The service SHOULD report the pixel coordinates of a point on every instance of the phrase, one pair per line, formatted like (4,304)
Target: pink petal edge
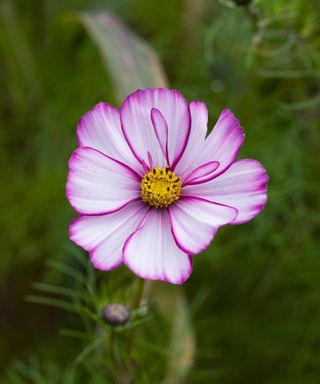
(161,130)
(202,173)
(102,235)
(224,142)
(172,131)
(243,186)
(213,230)
(69,192)
(100,128)
(153,276)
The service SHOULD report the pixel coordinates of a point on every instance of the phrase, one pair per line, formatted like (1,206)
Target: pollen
(160,187)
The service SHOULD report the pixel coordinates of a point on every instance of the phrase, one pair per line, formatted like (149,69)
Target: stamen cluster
(160,187)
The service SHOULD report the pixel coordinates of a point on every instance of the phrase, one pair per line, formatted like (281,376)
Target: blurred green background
(250,312)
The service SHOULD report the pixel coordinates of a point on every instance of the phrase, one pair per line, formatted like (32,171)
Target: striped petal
(195,221)
(100,129)
(152,253)
(140,133)
(98,184)
(104,236)
(243,186)
(222,145)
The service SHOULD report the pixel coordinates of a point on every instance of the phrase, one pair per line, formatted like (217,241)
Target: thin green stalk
(116,363)
(139,296)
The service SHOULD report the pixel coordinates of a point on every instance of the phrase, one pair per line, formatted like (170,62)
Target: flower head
(152,190)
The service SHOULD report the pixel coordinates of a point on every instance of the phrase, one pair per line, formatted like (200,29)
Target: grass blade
(132,63)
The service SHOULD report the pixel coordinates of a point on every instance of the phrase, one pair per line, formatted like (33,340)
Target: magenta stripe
(185,143)
(134,173)
(134,94)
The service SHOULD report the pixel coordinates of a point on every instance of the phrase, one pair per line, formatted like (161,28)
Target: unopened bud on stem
(115,314)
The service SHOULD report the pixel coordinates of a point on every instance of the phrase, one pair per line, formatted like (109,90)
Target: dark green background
(259,283)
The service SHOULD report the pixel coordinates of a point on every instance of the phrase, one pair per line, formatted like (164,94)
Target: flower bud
(115,314)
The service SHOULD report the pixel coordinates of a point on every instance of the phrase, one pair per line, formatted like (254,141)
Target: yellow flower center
(160,187)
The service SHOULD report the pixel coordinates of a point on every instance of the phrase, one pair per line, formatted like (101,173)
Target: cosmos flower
(152,190)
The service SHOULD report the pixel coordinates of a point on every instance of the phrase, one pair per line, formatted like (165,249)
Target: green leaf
(87,350)
(59,290)
(75,334)
(65,305)
(77,275)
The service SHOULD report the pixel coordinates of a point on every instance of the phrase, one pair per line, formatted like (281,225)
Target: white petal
(222,145)
(138,128)
(161,130)
(152,253)
(199,127)
(195,221)
(104,236)
(242,186)
(100,129)
(202,173)
(98,184)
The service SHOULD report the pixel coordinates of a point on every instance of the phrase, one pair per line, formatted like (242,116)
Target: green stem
(139,295)
(117,363)
(135,305)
